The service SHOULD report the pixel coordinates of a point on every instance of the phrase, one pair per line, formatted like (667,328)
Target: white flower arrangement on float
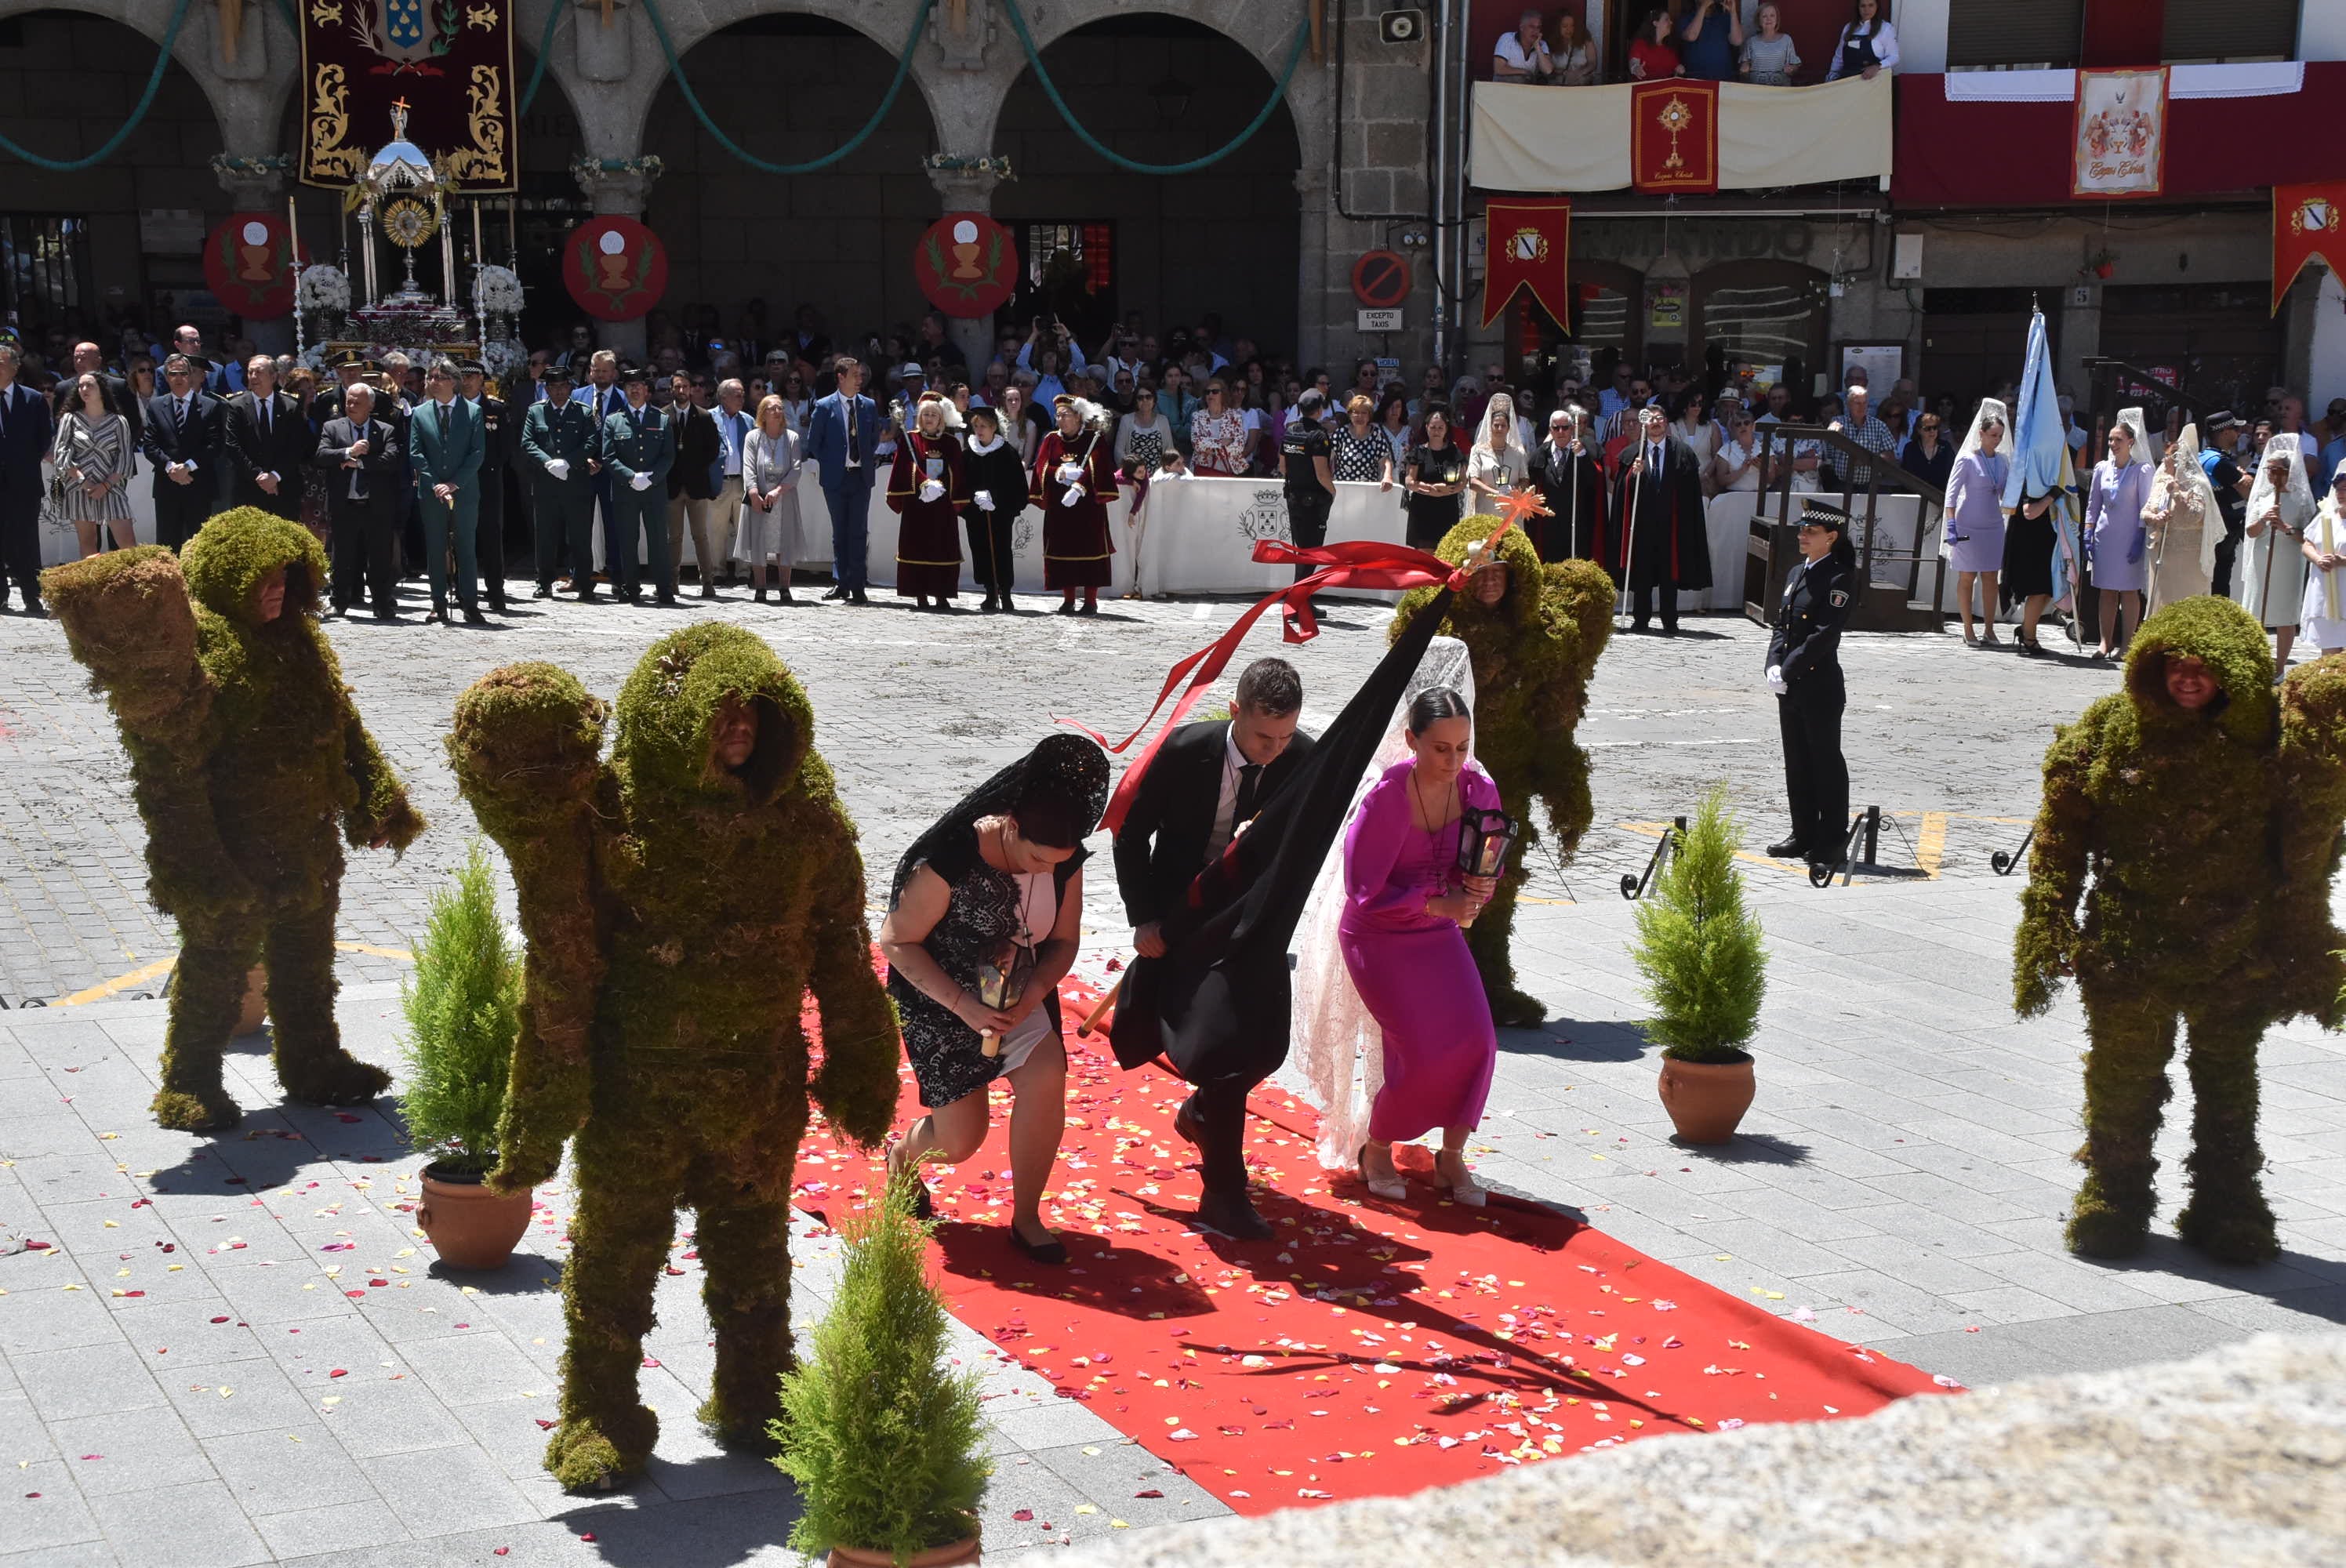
(324,290)
(502,357)
(497,291)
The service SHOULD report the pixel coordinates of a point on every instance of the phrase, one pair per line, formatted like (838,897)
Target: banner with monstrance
(447,64)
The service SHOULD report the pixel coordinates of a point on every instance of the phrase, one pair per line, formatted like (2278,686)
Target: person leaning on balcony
(1770,57)
(1523,55)
(1653,53)
(1575,54)
(1867,45)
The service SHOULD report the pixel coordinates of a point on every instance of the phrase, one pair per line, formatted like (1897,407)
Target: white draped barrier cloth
(1198,535)
(1544,139)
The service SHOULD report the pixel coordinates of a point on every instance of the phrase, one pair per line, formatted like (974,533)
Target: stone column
(623,188)
(255,182)
(1316,325)
(968,187)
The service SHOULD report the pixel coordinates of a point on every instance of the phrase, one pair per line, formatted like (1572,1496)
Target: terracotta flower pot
(950,1555)
(471,1226)
(255,1002)
(1706,1100)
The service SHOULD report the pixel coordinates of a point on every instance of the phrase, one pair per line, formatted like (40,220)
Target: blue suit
(639,440)
(449,453)
(847,490)
(25,436)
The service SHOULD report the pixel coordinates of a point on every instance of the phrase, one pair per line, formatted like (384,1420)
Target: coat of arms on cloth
(452,62)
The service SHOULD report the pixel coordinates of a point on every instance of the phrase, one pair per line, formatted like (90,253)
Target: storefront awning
(2003,139)
(1548,138)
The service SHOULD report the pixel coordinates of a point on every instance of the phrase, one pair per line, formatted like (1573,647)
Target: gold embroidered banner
(448,62)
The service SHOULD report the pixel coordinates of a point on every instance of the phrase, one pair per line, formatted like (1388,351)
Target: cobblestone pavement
(1899,1181)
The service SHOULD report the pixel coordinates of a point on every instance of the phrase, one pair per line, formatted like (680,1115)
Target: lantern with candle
(1002,978)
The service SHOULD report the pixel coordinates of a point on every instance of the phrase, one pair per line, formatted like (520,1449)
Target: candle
(480,256)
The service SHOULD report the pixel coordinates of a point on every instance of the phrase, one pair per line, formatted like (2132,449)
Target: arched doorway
(787,88)
(1607,329)
(1763,322)
(1163,248)
(88,252)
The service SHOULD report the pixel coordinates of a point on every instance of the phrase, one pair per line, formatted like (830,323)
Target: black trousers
(20,544)
(1220,1107)
(1816,775)
(179,511)
(992,551)
(489,535)
(1641,606)
(2227,550)
(1307,522)
(363,566)
(565,521)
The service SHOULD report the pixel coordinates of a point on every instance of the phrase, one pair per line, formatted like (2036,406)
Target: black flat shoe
(1053,1252)
(1233,1216)
(1089,610)
(1066,608)
(1185,1123)
(1787,849)
(835,594)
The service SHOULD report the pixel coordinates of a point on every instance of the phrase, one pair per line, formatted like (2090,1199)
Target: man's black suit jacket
(202,439)
(698,445)
(282,447)
(1161,847)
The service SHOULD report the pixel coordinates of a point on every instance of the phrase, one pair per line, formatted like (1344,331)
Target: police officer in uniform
(1311,484)
(1804,672)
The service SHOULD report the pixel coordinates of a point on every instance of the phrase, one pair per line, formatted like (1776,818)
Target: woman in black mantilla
(998,881)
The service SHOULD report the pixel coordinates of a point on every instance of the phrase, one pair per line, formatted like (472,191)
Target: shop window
(1605,326)
(1091,247)
(2235,30)
(1762,321)
(2015,35)
(43,268)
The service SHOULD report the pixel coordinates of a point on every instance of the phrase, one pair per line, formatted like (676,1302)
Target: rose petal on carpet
(1369,1348)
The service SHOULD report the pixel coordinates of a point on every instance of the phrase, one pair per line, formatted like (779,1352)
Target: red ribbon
(1354,564)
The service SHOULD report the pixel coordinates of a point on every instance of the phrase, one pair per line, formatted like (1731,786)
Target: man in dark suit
(1564,468)
(443,448)
(183,443)
(26,432)
(213,377)
(693,482)
(1657,534)
(562,449)
(364,469)
(88,360)
(639,449)
(1205,782)
(499,434)
(268,441)
(840,434)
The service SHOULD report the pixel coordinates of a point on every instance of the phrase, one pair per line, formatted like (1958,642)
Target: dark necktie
(1654,458)
(1250,776)
(849,404)
(264,417)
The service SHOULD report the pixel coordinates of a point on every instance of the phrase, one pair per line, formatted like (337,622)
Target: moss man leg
(311,1062)
(1489,939)
(627,1217)
(745,1245)
(2227,1217)
(2126,1088)
(216,956)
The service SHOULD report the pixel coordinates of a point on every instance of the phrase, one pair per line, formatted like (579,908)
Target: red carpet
(1370,1348)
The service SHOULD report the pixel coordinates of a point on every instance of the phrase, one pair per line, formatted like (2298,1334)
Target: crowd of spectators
(1702,40)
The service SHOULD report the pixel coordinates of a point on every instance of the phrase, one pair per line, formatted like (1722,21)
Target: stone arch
(238,103)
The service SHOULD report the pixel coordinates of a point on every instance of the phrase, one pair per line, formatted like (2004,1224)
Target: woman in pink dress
(1405,902)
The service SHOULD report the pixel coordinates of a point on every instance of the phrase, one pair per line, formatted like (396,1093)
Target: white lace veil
(1335,1057)
(2187,484)
(2296,504)
(1990,411)
(2132,419)
(1519,460)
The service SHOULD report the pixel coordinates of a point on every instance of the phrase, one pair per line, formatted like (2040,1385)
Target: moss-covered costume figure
(680,901)
(1534,652)
(245,754)
(2206,806)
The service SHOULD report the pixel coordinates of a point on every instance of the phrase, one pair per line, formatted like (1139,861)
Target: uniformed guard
(1804,672)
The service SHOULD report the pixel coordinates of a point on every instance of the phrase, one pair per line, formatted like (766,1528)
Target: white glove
(985,499)
(930,490)
(1775,679)
(1070,473)
(641,481)
(1075,492)
(559,467)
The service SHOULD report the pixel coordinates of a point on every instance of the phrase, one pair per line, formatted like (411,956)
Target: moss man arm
(2044,948)
(525,745)
(857,1086)
(2312,802)
(380,814)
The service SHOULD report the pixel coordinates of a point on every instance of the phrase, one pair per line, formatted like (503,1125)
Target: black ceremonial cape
(1217,1005)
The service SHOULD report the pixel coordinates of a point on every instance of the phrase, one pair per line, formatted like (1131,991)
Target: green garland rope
(544,47)
(146,102)
(1051,90)
(887,101)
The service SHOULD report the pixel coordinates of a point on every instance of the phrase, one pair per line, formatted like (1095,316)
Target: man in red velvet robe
(1656,542)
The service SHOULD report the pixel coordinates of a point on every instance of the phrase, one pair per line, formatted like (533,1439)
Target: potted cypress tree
(1705,969)
(883,1440)
(462,1009)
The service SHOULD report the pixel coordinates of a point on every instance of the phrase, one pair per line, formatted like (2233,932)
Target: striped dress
(101,453)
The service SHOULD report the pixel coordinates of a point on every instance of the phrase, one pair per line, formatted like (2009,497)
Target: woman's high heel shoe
(1463,1189)
(1392,1191)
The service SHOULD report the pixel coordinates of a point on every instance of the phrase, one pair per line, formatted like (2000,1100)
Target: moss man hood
(2227,640)
(668,711)
(233,552)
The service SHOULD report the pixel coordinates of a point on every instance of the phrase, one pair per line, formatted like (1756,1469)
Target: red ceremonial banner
(967,264)
(1674,135)
(615,268)
(2118,137)
(249,265)
(1530,247)
(2307,224)
(447,65)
